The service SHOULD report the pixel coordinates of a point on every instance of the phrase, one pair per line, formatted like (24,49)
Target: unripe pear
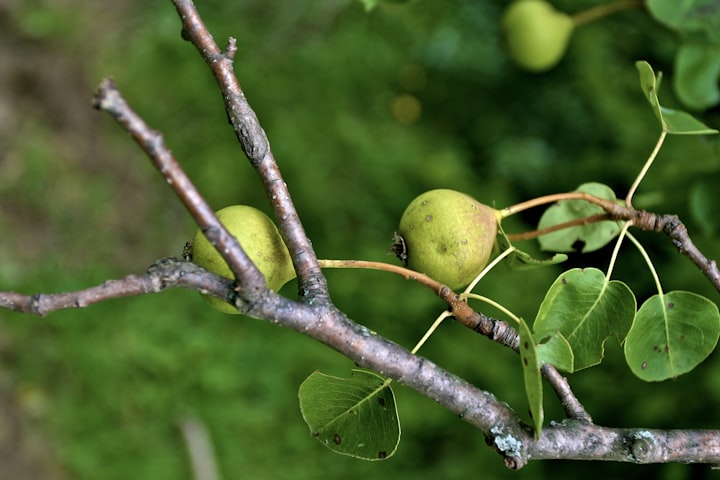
(260,239)
(447,235)
(536,34)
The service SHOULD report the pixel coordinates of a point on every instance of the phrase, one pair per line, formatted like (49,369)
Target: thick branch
(321,322)
(571,439)
(312,284)
(575,441)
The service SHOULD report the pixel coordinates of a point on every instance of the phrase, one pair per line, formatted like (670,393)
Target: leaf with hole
(353,416)
(587,309)
(592,236)
(672,334)
(672,121)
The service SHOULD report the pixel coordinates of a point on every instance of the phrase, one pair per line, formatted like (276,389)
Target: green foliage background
(79,203)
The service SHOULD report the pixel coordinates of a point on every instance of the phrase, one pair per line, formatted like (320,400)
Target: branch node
(231,49)
(643,446)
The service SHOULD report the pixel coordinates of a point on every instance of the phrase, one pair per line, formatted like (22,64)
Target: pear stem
(595,13)
(607,205)
(418,277)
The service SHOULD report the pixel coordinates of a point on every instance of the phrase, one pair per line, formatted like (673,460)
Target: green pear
(447,235)
(536,34)
(260,239)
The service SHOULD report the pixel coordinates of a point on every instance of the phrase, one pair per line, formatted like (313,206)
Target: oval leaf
(586,309)
(353,416)
(592,236)
(671,335)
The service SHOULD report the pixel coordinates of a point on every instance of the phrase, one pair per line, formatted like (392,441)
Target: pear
(536,35)
(447,235)
(260,239)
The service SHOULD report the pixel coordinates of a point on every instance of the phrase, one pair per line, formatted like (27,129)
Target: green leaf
(354,416)
(686,15)
(697,72)
(705,204)
(519,260)
(557,351)
(671,335)
(586,309)
(593,236)
(531,376)
(672,121)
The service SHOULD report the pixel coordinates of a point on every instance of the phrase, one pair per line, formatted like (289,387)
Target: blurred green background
(364,111)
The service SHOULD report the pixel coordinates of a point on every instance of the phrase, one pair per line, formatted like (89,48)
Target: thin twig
(108,99)
(600,217)
(670,225)
(312,285)
(676,231)
(165,273)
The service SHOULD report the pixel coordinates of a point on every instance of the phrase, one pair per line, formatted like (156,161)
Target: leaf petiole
(493,303)
(605,204)
(616,250)
(650,265)
(489,267)
(431,330)
(645,168)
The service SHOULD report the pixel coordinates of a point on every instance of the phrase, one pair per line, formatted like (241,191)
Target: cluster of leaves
(669,335)
(697,61)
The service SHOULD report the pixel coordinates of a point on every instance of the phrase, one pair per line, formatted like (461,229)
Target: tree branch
(670,225)
(574,438)
(505,431)
(312,285)
(250,280)
(165,273)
